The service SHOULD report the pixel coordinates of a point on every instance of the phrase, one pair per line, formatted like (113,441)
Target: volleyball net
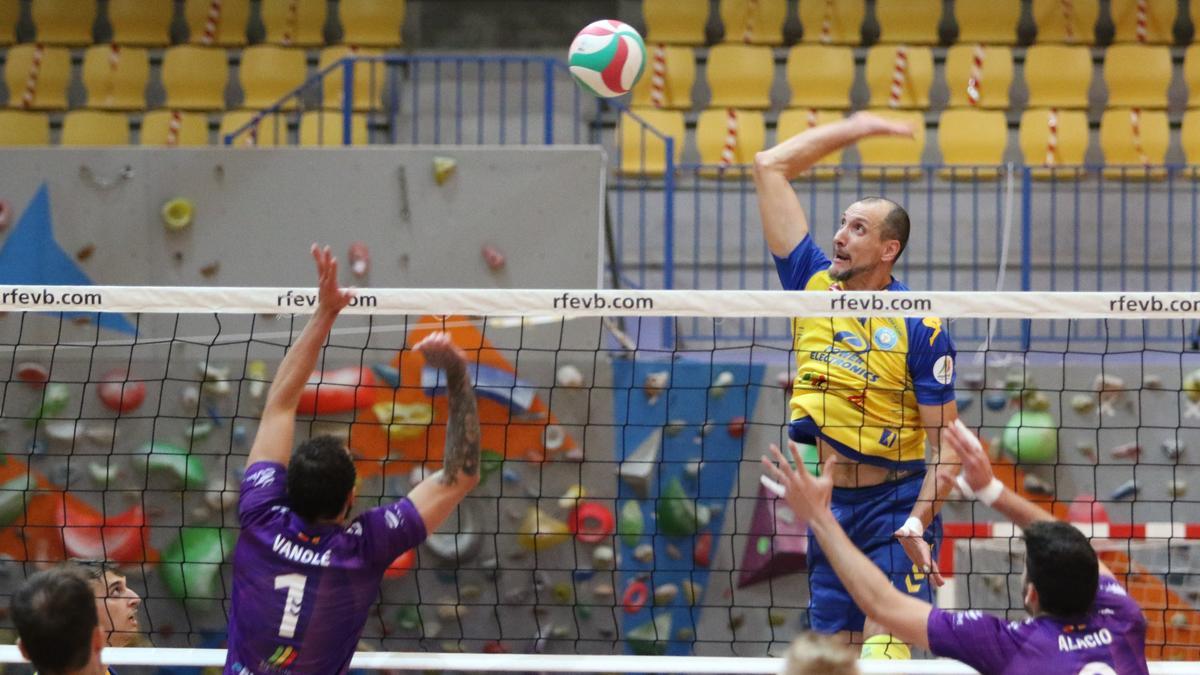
(620,511)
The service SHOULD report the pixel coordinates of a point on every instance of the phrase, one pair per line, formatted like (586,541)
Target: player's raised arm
(783,218)
(978,481)
(273,442)
(437,496)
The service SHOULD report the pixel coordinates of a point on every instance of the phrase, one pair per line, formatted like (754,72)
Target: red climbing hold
(401,565)
(737,427)
(33,374)
(591,522)
(635,596)
(493,257)
(702,553)
(117,393)
(339,391)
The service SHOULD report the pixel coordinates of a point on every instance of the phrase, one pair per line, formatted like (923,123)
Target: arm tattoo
(462,429)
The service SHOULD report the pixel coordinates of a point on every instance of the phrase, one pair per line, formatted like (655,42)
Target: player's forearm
(298,365)
(800,152)
(460,464)
(1020,510)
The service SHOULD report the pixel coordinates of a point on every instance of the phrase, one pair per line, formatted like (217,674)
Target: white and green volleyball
(607,58)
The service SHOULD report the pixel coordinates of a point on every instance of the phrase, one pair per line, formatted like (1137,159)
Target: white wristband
(914,526)
(987,495)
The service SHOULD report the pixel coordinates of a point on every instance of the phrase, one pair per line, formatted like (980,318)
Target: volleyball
(607,58)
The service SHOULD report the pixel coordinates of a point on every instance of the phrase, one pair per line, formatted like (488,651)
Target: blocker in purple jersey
(301,591)
(1109,640)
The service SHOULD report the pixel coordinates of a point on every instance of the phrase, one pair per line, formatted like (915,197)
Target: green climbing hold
(408,618)
(1031,437)
(811,458)
(12,499)
(584,612)
(563,593)
(763,545)
(490,462)
(650,638)
(676,511)
(54,401)
(191,567)
(185,471)
(631,523)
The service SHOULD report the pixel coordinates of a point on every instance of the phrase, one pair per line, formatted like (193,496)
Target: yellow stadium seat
(141,23)
(894,157)
(229,23)
(996,76)
(1160,21)
(642,152)
(908,21)
(324,129)
(678,22)
(272,130)
(372,23)
(10,14)
(1190,134)
(756,22)
(1134,153)
(195,77)
(191,131)
(820,76)
(268,73)
(740,76)
(678,80)
(1058,76)
(972,143)
(1062,22)
(115,77)
(294,23)
(369,78)
(1191,74)
(796,121)
(94,127)
(1137,75)
(712,131)
(40,87)
(1071,146)
(64,22)
(843,18)
(881,66)
(22,127)
(989,23)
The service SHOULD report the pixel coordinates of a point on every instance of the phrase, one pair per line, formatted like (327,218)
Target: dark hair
(55,614)
(1062,566)
(91,569)
(320,478)
(895,224)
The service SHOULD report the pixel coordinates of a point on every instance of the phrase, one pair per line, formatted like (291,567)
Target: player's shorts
(870,516)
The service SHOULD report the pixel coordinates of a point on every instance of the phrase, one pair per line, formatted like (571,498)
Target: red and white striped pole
(1052,138)
(812,118)
(729,153)
(827,23)
(975,82)
(748,28)
(1135,122)
(114,62)
(1068,11)
(289,30)
(899,76)
(211,23)
(658,77)
(173,126)
(1142,11)
(31,79)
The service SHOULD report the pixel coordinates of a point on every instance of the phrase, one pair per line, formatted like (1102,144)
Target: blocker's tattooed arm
(437,496)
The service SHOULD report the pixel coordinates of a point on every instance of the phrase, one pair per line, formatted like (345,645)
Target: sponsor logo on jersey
(854,342)
(297,553)
(888,438)
(943,369)
(283,657)
(886,338)
(848,361)
(261,478)
(355,529)
(934,324)
(393,521)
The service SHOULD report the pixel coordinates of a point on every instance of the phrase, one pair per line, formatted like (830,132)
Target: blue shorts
(869,516)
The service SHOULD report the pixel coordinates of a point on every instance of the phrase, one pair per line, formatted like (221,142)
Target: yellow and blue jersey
(859,381)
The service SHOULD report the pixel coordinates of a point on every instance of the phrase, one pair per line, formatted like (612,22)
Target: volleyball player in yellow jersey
(867,390)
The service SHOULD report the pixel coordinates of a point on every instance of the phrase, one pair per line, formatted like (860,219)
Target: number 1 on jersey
(294,583)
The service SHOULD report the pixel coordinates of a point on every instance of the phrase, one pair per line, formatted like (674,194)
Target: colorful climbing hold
(553,437)
(654,385)
(177,213)
(568,376)
(401,565)
(360,259)
(33,374)
(562,592)
(665,594)
(1085,509)
(650,638)
(180,469)
(676,511)
(603,557)
(635,596)
(191,566)
(702,550)
(338,391)
(256,372)
(644,553)
(385,372)
(1036,486)
(963,400)
(404,420)
(723,380)
(490,462)
(1031,437)
(1173,449)
(591,522)
(539,531)
(1083,403)
(631,524)
(995,401)
(637,469)
(12,499)
(54,401)
(493,257)
(571,498)
(1125,490)
(737,427)
(1127,451)
(692,591)
(443,168)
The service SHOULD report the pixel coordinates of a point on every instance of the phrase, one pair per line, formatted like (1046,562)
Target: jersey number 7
(294,583)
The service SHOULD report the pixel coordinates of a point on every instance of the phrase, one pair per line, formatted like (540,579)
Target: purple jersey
(301,592)
(1109,640)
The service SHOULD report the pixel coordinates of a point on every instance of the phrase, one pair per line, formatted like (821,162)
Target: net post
(1026,246)
(347,99)
(548,111)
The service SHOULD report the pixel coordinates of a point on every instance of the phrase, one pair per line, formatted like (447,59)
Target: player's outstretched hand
(330,296)
(809,496)
(874,125)
(976,466)
(440,352)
